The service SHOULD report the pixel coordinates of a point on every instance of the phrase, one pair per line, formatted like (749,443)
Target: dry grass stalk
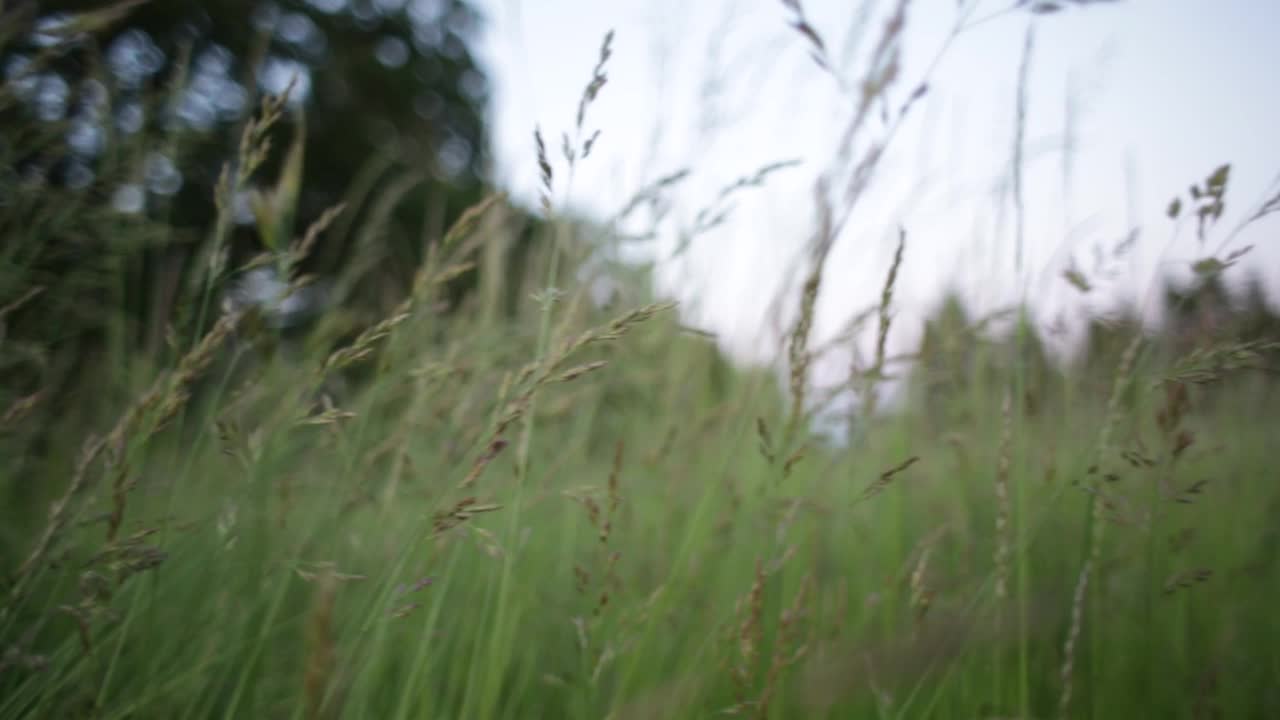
(448,258)
(19,409)
(589,504)
(764,440)
(255,145)
(461,512)
(111,566)
(1207,365)
(921,595)
(608,576)
(321,653)
(615,494)
(1003,510)
(1121,383)
(589,94)
(886,299)
(466,224)
(885,319)
(488,542)
(1097,510)
(715,213)
(362,347)
(602,519)
(537,374)
(578,371)
(649,196)
(792,460)
(750,632)
(1176,404)
(881,75)
(16,657)
(798,355)
(817,47)
(153,409)
(886,478)
(1073,637)
(303,246)
(405,609)
(883,69)
(497,445)
(784,655)
(1019,134)
(581,578)
(23,299)
(546,173)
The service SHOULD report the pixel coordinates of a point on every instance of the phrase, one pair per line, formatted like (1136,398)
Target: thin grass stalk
(885,320)
(504,622)
(162,402)
(1020,370)
(1095,526)
(1003,511)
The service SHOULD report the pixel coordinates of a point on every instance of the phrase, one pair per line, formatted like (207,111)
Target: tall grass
(576,511)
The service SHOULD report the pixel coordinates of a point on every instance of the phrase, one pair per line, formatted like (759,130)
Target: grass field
(575,511)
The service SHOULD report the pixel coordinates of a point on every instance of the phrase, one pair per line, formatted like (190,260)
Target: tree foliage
(117,120)
(135,109)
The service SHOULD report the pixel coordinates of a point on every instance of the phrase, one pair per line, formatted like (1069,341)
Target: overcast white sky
(1160,92)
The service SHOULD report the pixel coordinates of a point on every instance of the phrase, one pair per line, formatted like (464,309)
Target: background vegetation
(300,420)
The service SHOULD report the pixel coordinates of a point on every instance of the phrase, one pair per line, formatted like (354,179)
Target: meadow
(518,501)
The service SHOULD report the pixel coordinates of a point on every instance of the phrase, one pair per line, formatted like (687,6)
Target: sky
(1128,104)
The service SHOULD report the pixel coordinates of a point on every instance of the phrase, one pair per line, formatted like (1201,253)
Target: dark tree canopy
(117,118)
(369,71)
(183,75)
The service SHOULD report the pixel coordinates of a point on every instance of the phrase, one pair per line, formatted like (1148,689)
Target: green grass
(530,613)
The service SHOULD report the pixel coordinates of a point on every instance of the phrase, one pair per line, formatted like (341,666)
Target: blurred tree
(960,359)
(143,112)
(1198,315)
(116,119)
(948,354)
(1257,319)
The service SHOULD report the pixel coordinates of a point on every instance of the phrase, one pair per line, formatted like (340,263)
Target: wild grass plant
(563,510)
